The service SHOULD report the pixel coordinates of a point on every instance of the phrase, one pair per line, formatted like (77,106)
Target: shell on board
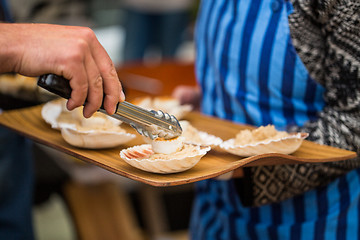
(191,135)
(285,145)
(195,136)
(95,139)
(166,104)
(96,132)
(51,111)
(144,158)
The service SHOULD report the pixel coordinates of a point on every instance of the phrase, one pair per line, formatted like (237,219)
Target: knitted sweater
(326,35)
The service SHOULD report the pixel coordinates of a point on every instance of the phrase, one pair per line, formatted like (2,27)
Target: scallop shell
(138,157)
(206,139)
(166,104)
(51,111)
(95,139)
(84,138)
(285,145)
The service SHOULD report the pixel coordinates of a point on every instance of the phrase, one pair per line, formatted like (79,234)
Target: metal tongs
(152,124)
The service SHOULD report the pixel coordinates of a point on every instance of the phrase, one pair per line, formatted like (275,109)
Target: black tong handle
(58,85)
(55,84)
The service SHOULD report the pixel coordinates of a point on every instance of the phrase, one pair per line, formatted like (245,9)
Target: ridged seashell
(285,145)
(166,104)
(52,110)
(143,157)
(191,135)
(194,136)
(96,132)
(94,139)
(207,140)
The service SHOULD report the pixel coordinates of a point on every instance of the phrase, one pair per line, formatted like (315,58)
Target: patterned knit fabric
(326,35)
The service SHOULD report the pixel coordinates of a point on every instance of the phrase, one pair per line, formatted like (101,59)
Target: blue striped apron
(5,11)
(250,73)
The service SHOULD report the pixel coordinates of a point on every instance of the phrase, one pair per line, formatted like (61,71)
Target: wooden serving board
(28,122)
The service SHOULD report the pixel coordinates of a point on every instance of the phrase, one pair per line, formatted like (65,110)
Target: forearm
(10,50)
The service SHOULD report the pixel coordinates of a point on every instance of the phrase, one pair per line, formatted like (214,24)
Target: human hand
(188,95)
(68,51)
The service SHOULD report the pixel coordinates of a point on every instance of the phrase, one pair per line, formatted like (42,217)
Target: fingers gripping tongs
(151,124)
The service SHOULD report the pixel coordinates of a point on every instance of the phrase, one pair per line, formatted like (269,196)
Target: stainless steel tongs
(151,124)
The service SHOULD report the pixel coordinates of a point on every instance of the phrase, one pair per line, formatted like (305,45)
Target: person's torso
(247,66)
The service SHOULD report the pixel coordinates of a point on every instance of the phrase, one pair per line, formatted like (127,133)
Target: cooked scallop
(160,145)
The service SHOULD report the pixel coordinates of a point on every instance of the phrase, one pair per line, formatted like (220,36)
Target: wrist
(10,47)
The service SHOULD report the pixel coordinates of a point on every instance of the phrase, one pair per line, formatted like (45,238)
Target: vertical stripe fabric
(330,212)
(5,14)
(250,73)
(247,66)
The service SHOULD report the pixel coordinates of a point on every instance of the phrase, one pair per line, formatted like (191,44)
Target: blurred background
(148,40)
(129,29)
